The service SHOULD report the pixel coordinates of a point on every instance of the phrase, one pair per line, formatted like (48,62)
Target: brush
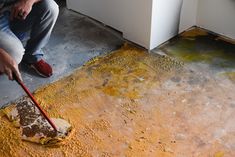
(34,101)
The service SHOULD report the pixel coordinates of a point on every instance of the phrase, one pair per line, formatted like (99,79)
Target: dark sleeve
(7,1)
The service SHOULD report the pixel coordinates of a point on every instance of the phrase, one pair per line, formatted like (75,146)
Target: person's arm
(22,8)
(8,65)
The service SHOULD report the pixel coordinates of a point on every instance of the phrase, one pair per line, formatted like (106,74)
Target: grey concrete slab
(75,40)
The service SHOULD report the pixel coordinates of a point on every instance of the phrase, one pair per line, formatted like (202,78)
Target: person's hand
(22,8)
(8,66)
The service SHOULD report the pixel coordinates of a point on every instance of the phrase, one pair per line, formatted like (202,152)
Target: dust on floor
(135,104)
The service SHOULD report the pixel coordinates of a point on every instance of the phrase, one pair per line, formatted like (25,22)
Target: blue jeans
(39,23)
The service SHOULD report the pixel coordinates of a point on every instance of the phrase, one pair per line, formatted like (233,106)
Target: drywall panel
(217,16)
(148,23)
(136,22)
(188,14)
(132,17)
(165,20)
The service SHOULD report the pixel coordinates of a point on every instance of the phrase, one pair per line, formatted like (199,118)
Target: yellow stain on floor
(194,32)
(219,154)
(230,75)
(105,85)
(126,104)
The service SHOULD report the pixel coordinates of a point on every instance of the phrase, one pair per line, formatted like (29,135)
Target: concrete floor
(132,103)
(75,40)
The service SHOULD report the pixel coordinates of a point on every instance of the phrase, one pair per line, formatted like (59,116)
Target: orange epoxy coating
(134,104)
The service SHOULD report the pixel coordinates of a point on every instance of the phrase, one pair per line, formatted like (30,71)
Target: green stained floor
(202,47)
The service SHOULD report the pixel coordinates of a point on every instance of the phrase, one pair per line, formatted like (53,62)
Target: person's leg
(40,21)
(8,41)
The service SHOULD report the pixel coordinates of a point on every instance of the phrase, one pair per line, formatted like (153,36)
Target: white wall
(217,16)
(148,23)
(165,21)
(188,14)
(136,20)
(132,17)
(152,22)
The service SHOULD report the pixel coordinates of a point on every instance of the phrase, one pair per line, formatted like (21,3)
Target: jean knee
(52,9)
(18,53)
(12,46)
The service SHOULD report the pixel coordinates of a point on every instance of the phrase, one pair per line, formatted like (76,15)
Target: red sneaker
(42,68)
